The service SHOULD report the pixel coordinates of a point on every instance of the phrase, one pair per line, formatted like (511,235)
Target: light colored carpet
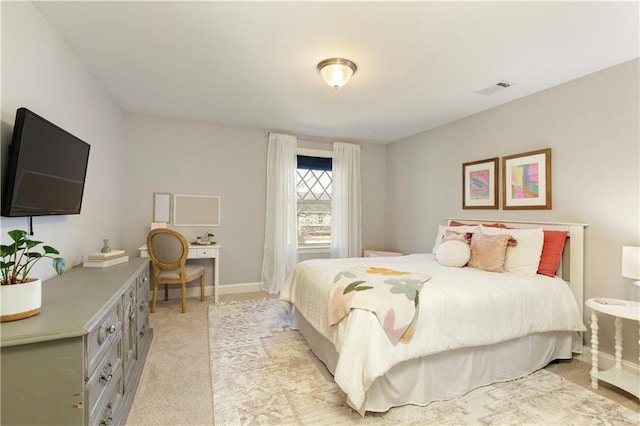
(264,373)
(175,387)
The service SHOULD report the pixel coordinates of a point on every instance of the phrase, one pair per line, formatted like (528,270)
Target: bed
(472,327)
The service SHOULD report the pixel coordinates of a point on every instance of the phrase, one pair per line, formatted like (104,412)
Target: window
(313,188)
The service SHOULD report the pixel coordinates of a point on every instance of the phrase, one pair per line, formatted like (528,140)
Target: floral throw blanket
(393,296)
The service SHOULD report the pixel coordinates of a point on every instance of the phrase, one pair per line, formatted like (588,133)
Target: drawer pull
(106,417)
(143,331)
(106,373)
(103,332)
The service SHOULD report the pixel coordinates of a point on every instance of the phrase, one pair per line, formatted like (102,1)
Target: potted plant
(22,294)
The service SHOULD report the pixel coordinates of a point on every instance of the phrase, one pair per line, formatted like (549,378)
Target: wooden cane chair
(168,251)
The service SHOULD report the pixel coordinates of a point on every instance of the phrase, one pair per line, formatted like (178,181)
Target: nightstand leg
(594,350)
(618,343)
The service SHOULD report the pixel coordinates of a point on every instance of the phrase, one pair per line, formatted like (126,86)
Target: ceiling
(420,64)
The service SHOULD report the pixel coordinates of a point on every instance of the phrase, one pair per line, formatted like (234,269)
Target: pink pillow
(488,252)
(465,237)
(551,252)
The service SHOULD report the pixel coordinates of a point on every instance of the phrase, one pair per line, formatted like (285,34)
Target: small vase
(105,248)
(20,301)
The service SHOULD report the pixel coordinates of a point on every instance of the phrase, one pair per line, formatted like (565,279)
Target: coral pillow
(551,252)
(488,252)
(454,253)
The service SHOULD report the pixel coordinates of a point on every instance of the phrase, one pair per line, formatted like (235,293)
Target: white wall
(188,157)
(592,127)
(41,73)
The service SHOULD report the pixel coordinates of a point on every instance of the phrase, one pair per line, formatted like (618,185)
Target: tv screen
(46,169)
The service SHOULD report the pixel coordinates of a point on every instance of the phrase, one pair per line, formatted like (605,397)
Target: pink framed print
(526,180)
(480,184)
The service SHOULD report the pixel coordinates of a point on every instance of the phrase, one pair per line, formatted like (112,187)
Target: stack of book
(102,260)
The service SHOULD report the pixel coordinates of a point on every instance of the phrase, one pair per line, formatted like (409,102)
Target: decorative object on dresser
(631,269)
(526,180)
(169,250)
(78,362)
(105,259)
(617,376)
(22,294)
(480,184)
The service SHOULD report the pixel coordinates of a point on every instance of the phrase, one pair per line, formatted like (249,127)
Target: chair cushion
(192,272)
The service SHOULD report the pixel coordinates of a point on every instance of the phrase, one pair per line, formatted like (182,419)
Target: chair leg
(166,293)
(184,297)
(154,297)
(202,288)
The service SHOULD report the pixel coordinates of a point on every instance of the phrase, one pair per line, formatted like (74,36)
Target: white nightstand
(619,309)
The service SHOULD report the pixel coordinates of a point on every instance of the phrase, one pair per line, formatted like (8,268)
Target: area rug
(263,373)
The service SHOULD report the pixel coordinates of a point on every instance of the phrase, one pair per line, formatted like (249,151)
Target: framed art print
(526,180)
(196,210)
(480,184)
(161,207)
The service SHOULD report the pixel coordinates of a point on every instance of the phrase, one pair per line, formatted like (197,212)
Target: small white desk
(200,251)
(616,376)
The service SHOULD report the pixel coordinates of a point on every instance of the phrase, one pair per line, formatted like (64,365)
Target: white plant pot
(19,301)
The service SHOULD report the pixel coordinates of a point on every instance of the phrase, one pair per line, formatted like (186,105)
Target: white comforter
(459,307)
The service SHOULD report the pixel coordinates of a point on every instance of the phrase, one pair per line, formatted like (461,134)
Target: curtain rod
(314,138)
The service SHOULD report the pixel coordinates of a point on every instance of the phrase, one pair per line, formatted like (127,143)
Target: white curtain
(281,240)
(346,238)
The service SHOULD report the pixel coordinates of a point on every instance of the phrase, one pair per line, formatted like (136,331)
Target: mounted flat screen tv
(46,169)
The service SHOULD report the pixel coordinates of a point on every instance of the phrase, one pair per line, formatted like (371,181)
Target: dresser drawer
(143,294)
(107,374)
(108,408)
(142,314)
(142,281)
(101,336)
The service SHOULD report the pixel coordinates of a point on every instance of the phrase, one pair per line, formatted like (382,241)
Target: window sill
(315,248)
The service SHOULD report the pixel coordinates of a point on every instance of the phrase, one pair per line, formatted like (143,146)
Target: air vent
(501,85)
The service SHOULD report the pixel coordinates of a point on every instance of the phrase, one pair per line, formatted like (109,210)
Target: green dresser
(79,361)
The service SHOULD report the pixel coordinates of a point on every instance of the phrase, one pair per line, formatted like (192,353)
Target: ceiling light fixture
(337,71)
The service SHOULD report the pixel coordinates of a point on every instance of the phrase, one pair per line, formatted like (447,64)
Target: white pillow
(453,253)
(524,258)
(459,229)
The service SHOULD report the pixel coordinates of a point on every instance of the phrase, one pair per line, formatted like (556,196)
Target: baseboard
(194,291)
(605,360)
(238,288)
